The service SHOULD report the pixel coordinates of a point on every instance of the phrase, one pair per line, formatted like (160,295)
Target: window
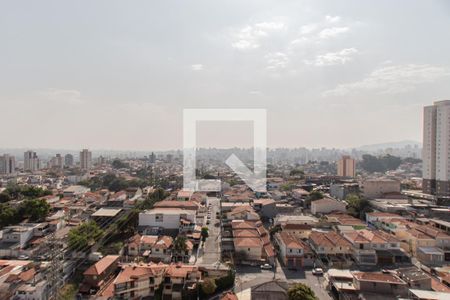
(159,218)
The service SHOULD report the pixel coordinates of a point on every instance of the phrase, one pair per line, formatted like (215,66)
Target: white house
(167,218)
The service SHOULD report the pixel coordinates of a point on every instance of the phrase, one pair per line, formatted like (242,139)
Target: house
(75,191)
(138,280)
(327,205)
(188,205)
(184,195)
(380,283)
(416,236)
(272,290)
(97,274)
(166,218)
(301,231)
(265,207)
(329,243)
(105,215)
(417,294)
(180,281)
(343,219)
(244,212)
(158,248)
(294,253)
(117,199)
(32,291)
(415,278)
(430,256)
(365,244)
(251,241)
(340,283)
(299,194)
(375,219)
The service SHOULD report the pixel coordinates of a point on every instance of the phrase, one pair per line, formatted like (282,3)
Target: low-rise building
(327,205)
(293,252)
(97,274)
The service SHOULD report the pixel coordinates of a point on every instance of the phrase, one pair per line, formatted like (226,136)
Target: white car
(317,271)
(266,267)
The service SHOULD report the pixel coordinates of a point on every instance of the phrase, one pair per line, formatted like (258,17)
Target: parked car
(266,267)
(317,271)
(23,257)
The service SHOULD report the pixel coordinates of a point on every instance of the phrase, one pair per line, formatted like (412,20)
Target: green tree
(67,292)
(301,291)
(84,235)
(4,197)
(357,206)
(34,192)
(179,245)
(297,172)
(8,215)
(208,286)
(313,196)
(118,164)
(204,233)
(35,209)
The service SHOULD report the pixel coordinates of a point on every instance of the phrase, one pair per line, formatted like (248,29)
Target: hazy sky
(117,74)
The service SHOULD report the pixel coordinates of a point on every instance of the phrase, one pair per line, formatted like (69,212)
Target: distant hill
(394,145)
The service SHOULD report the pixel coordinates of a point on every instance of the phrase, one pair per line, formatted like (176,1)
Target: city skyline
(119,76)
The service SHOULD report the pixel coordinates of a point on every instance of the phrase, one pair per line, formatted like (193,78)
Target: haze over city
(117,75)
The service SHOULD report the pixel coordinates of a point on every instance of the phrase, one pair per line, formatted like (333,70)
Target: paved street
(210,253)
(247,277)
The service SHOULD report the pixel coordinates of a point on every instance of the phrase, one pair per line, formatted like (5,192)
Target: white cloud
(332,32)
(277,60)
(197,67)
(392,79)
(333,58)
(62,95)
(332,19)
(308,28)
(250,36)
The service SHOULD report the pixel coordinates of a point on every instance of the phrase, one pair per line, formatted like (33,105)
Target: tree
(297,172)
(8,215)
(313,196)
(381,164)
(4,197)
(208,286)
(118,164)
(179,245)
(35,209)
(204,233)
(301,291)
(84,235)
(357,206)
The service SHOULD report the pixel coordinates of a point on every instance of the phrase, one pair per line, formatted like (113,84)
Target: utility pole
(56,267)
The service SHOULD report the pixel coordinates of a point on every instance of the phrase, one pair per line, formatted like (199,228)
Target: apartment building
(85,159)
(346,167)
(31,161)
(7,164)
(436,149)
